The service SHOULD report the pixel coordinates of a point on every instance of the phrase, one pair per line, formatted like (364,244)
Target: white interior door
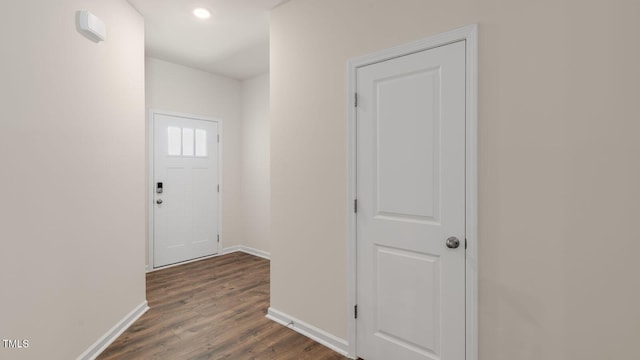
(411,199)
(186,191)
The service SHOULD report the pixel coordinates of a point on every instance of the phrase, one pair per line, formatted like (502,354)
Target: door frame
(151,188)
(469,34)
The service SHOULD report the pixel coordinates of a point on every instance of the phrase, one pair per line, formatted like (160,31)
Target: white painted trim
(225,251)
(470,35)
(110,336)
(150,270)
(247,250)
(150,190)
(332,342)
(472,194)
(231,249)
(352,248)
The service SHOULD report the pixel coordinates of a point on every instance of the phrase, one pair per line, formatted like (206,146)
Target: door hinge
(355,99)
(355,205)
(218,187)
(218,137)
(465,243)
(218,237)
(355,311)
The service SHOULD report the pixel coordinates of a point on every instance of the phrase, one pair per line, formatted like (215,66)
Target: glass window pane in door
(201,142)
(175,142)
(187,142)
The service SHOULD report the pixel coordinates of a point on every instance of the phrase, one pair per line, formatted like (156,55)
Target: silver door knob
(453,242)
(159,201)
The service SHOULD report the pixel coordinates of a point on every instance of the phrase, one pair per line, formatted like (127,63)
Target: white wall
(558,179)
(72,150)
(256,189)
(178,88)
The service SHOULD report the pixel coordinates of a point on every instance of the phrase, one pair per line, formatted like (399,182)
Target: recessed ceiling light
(202,13)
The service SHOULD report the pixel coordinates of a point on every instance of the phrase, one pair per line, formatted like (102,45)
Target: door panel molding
(151,184)
(469,34)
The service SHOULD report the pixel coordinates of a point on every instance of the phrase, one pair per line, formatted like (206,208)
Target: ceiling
(234,42)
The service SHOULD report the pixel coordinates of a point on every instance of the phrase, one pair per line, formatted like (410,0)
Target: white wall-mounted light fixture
(92,27)
(201,13)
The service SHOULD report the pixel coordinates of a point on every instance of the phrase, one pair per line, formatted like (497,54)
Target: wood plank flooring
(212,309)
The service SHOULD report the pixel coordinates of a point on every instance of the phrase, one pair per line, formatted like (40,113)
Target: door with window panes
(186,189)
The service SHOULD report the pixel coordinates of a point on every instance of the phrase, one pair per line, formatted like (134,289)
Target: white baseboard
(248,250)
(229,250)
(99,346)
(182,263)
(334,343)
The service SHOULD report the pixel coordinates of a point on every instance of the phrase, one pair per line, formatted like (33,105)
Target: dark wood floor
(212,309)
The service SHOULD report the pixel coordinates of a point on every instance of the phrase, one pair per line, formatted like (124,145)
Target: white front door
(186,191)
(411,200)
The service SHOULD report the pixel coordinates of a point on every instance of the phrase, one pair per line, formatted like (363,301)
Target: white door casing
(412,169)
(186,213)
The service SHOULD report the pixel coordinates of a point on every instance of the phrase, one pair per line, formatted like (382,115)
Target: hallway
(212,309)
